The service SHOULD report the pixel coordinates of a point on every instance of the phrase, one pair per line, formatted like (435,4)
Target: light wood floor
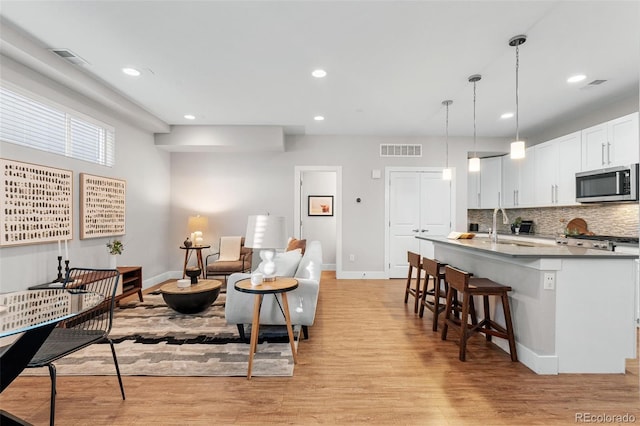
(369,360)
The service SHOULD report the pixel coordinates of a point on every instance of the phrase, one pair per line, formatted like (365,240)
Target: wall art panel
(37,203)
(102,206)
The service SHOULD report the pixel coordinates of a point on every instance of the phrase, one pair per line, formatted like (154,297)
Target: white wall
(138,161)
(229,187)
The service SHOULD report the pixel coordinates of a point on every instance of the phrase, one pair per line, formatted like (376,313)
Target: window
(29,122)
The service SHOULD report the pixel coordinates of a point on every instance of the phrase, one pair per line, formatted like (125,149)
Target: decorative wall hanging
(320,205)
(102,206)
(36,203)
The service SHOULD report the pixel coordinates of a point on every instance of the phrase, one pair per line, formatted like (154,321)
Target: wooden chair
(433,298)
(414,263)
(86,329)
(227,260)
(468,286)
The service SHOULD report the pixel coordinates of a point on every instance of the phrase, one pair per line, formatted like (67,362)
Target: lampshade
(198,223)
(266,232)
(517,150)
(474,164)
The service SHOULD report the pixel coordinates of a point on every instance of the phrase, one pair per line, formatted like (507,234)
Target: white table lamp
(267,233)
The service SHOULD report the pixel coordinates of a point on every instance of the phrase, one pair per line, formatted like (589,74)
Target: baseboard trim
(540,364)
(359,275)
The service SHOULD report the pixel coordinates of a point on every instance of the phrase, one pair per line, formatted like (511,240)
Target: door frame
(337,205)
(387,204)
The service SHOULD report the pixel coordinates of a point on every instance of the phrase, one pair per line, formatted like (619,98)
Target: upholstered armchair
(232,256)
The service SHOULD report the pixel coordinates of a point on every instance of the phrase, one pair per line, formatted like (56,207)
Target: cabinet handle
(602,154)
(608,152)
(414,230)
(424,230)
(478,200)
(556,194)
(499,199)
(552,200)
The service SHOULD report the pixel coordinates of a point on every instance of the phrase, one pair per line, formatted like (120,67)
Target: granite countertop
(516,246)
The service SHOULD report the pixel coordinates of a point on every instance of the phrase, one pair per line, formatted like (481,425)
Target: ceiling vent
(69,56)
(399,150)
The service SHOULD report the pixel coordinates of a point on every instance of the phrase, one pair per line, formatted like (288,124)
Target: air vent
(398,150)
(597,82)
(69,56)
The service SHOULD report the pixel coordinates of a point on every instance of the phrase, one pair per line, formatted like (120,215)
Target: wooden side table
(187,255)
(193,299)
(281,285)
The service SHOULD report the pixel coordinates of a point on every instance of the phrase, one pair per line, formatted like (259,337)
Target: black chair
(83,330)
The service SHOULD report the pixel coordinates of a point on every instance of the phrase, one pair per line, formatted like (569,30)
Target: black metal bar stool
(468,286)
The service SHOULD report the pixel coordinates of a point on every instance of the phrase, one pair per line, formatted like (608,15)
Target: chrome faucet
(494,230)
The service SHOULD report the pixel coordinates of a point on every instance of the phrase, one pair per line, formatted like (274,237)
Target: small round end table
(193,299)
(281,285)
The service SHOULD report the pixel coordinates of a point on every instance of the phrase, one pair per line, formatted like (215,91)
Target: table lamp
(267,233)
(196,225)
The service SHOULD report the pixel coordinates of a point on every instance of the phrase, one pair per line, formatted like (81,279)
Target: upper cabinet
(614,143)
(518,180)
(556,163)
(473,190)
(490,182)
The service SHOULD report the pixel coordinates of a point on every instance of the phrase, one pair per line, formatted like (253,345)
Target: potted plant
(115,248)
(515,226)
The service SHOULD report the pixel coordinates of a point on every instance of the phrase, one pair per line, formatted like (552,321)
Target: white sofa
(302,300)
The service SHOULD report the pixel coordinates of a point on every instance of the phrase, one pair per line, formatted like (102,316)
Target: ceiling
(390,64)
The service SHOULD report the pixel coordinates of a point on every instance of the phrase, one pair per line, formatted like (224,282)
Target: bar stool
(414,263)
(470,286)
(434,272)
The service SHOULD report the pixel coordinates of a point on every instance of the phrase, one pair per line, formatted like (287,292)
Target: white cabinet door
(510,181)
(473,190)
(546,165)
(623,141)
(594,145)
(525,196)
(570,162)
(490,182)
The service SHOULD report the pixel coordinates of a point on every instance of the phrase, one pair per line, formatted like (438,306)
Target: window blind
(29,122)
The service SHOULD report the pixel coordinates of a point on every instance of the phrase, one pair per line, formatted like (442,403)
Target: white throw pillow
(286,262)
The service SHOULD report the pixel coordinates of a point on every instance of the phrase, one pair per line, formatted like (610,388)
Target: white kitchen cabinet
(490,182)
(556,163)
(518,180)
(473,190)
(614,143)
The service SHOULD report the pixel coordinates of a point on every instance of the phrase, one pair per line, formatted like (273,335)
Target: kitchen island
(573,308)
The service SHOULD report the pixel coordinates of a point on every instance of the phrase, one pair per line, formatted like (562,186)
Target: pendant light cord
(517,85)
(447,136)
(475,153)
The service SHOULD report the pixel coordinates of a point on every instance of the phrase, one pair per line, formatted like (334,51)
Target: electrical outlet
(352,258)
(549,281)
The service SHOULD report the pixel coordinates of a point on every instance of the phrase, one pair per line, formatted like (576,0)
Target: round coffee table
(193,299)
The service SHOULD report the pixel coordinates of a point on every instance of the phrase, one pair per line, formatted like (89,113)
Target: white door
(419,203)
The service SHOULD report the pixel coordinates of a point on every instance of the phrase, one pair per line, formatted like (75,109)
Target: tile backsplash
(618,219)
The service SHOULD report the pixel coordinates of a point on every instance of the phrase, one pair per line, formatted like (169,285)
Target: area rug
(151,339)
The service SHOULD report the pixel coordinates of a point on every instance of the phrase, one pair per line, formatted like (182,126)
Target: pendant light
(446,172)
(474,162)
(517,146)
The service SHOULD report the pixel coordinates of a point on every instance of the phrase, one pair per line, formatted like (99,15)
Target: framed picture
(36,203)
(320,205)
(102,206)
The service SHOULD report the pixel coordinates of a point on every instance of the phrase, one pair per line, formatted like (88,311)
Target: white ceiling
(390,64)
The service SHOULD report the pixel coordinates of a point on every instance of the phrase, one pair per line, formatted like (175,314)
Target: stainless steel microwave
(611,184)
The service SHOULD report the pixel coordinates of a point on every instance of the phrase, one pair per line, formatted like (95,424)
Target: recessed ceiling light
(318,118)
(131,71)
(190,117)
(319,73)
(506,115)
(576,78)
